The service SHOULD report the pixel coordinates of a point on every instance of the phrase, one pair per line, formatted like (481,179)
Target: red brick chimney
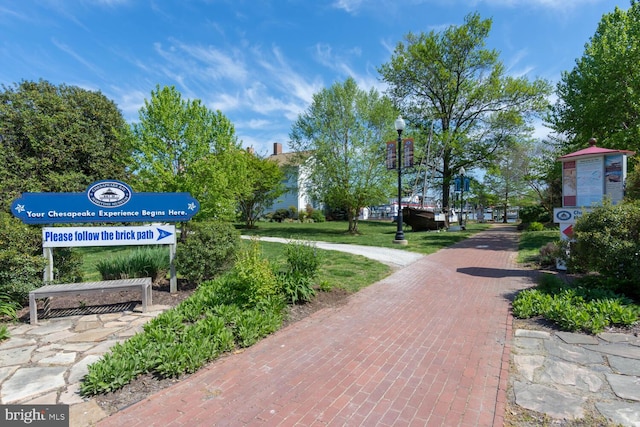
(277,148)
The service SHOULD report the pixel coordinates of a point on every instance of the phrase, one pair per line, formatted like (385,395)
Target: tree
(600,96)
(506,176)
(450,79)
(181,146)
(265,182)
(345,129)
(58,139)
(544,176)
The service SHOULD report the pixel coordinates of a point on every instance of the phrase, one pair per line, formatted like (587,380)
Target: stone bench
(143,284)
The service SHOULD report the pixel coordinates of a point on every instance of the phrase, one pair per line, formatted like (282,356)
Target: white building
(296,169)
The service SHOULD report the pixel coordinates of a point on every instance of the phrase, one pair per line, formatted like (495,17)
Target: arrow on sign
(568,231)
(163,233)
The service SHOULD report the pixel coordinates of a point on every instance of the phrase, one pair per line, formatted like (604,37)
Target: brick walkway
(427,346)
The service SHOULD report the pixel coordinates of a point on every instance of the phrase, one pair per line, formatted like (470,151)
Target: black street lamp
(399,239)
(462,172)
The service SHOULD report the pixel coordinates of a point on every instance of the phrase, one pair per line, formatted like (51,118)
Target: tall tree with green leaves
(264,179)
(58,139)
(451,80)
(182,146)
(345,130)
(506,177)
(600,97)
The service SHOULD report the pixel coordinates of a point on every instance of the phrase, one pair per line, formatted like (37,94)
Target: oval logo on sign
(109,194)
(563,215)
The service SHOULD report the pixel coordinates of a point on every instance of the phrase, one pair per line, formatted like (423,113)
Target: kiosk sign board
(104,201)
(589,176)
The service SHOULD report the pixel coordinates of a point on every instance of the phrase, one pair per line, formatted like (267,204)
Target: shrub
(317,216)
(535,213)
(210,250)
(21,261)
(280,215)
(607,241)
(146,262)
(535,226)
(252,278)
(20,273)
(549,253)
(301,267)
(302,258)
(67,265)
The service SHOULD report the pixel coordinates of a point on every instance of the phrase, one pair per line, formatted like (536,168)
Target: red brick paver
(427,346)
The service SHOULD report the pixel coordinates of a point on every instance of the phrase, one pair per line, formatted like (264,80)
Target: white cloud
(130,102)
(202,63)
(349,6)
(549,4)
(69,51)
(224,102)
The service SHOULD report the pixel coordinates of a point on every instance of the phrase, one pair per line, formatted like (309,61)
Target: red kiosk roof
(594,151)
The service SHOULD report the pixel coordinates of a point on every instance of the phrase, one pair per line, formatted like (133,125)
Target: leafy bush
(296,287)
(67,267)
(317,216)
(21,261)
(301,267)
(549,253)
(145,262)
(280,215)
(302,258)
(607,241)
(535,213)
(535,226)
(210,250)
(20,273)
(252,278)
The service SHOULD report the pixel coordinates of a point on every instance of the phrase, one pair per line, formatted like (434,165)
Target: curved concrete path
(396,258)
(428,345)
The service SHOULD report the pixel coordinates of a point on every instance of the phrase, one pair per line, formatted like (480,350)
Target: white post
(173,280)
(48,270)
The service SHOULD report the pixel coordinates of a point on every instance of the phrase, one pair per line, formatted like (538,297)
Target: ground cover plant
(576,307)
(236,309)
(587,303)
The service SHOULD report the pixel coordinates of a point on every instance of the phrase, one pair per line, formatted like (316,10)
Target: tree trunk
(353,221)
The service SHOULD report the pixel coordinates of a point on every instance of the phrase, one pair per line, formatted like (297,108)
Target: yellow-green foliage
(252,275)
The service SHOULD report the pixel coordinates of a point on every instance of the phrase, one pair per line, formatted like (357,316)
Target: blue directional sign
(67,237)
(104,201)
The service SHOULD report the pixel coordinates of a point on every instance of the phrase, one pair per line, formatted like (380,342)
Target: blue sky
(260,61)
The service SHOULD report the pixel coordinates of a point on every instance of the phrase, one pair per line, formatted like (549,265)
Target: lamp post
(462,172)
(399,239)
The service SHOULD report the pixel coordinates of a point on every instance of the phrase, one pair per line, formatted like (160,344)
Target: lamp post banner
(104,201)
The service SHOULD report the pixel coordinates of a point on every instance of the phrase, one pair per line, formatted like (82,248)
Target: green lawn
(351,272)
(532,241)
(372,233)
